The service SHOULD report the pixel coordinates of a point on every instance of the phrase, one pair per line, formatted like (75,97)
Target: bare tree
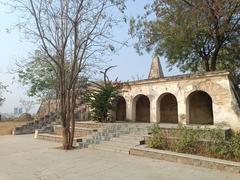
(71,33)
(27,105)
(2,89)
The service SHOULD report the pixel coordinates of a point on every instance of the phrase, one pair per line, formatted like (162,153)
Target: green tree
(101,98)
(39,76)
(194,35)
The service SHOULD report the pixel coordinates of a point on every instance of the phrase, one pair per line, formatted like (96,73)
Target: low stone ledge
(55,137)
(188,159)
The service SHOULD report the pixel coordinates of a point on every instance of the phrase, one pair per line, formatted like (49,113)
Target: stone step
(90,124)
(83,145)
(99,135)
(133,136)
(92,141)
(83,128)
(124,140)
(54,137)
(117,144)
(127,140)
(105,148)
(96,141)
(79,131)
(115,137)
(49,137)
(125,131)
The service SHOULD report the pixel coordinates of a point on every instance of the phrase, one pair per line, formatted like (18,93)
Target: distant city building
(17,111)
(20,111)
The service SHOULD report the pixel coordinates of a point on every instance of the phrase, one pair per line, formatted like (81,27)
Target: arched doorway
(199,108)
(120,109)
(142,113)
(167,109)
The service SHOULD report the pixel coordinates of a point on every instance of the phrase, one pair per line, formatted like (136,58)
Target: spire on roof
(156,69)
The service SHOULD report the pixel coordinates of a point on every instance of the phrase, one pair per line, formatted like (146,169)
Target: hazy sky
(13,47)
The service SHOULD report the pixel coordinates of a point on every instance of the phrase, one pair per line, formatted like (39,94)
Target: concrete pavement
(25,158)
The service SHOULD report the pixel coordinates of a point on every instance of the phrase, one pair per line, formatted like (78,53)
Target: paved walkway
(24,158)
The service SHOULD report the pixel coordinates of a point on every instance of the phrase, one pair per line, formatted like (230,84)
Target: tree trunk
(63,109)
(49,106)
(214,58)
(68,101)
(72,128)
(57,102)
(73,103)
(206,62)
(65,135)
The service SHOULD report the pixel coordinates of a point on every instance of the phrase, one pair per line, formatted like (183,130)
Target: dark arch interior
(143,109)
(168,109)
(200,108)
(120,109)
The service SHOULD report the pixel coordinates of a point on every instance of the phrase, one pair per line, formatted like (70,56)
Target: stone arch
(167,108)
(120,108)
(199,108)
(141,108)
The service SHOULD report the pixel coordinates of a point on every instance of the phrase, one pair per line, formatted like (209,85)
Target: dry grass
(6,127)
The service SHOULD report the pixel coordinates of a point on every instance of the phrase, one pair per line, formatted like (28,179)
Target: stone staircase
(42,125)
(116,137)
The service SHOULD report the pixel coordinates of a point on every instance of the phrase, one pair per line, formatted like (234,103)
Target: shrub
(157,140)
(101,97)
(206,142)
(235,145)
(215,135)
(227,149)
(101,101)
(188,140)
(217,144)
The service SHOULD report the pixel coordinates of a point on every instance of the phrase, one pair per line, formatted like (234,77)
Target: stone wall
(217,85)
(46,107)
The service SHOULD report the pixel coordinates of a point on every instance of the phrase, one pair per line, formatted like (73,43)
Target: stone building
(52,106)
(203,99)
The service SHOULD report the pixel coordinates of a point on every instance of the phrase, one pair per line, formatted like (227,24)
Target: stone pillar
(129,110)
(182,116)
(153,110)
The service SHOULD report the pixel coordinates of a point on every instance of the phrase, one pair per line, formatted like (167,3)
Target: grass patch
(6,127)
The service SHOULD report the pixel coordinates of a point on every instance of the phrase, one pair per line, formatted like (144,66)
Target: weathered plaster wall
(217,85)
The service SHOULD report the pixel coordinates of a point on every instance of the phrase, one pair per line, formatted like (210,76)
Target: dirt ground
(6,127)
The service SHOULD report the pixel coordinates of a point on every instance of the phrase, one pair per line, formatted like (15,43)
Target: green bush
(206,142)
(235,145)
(157,140)
(217,144)
(227,149)
(101,98)
(101,101)
(188,140)
(215,135)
